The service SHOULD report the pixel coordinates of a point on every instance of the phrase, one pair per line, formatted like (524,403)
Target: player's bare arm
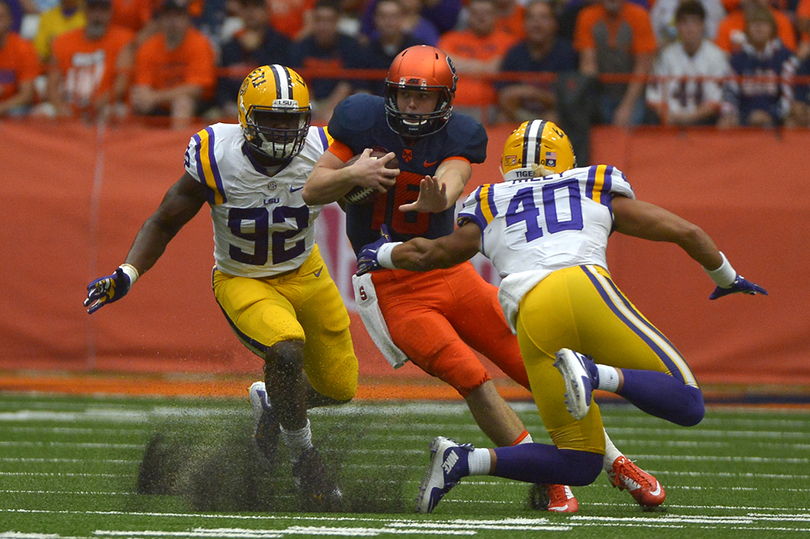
(650,222)
(420,254)
(330,179)
(441,191)
(180,203)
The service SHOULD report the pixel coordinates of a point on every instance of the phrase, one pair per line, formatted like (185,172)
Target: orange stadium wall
(76,196)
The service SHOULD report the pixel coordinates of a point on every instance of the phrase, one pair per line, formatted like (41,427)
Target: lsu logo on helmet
(539,146)
(274,112)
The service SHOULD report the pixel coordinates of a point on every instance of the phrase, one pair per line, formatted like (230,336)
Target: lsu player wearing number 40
(269,279)
(546,228)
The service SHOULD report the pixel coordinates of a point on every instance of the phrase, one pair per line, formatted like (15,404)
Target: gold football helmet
(274,112)
(536,148)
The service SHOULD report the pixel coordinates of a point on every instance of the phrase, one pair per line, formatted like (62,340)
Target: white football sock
(608,378)
(524,438)
(611,454)
(297,441)
(479,462)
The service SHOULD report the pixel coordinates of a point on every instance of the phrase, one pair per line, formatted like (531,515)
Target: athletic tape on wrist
(384,254)
(131,271)
(725,275)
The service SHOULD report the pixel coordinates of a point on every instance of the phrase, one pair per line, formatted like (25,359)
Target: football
(366,195)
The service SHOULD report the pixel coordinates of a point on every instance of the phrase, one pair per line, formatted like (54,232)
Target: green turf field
(70,467)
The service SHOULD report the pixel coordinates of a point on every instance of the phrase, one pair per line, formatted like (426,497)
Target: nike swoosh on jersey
(294,189)
(318,273)
(428,165)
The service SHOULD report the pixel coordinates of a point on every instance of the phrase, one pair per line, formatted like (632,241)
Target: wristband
(725,275)
(131,272)
(384,254)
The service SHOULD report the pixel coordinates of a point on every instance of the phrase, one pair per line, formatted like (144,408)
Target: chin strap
(262,158)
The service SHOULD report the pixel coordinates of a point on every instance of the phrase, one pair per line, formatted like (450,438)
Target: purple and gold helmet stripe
(284,83)
(207,168)
(532,139)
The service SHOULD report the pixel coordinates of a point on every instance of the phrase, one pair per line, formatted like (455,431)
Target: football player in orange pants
(440,318)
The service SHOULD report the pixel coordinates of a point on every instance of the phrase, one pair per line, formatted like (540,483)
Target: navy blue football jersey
(359,122)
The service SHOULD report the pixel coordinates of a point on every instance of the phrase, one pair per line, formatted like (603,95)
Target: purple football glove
(106,290)
(739,285)
(367,259)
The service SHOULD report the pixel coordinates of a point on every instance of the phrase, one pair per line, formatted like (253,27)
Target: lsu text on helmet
(274,112)
(420,68)
(536,148)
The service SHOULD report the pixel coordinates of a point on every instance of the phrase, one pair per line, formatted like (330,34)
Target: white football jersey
(547,223)
(681,87)
(262,226)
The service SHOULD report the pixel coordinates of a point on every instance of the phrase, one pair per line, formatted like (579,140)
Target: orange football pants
(438,317)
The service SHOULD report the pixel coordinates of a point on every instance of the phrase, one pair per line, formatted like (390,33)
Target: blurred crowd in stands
(576,62)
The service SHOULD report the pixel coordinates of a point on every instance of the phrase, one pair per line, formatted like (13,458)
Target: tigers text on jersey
(547,223)
(262,226)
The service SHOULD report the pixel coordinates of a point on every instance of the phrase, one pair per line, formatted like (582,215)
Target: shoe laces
(629,476)
(558,494)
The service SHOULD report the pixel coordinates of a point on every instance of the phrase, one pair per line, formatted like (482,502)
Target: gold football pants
(302,305)
(582,309)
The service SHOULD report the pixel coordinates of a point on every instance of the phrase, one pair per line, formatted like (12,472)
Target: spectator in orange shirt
(475,51)
(19,66)
(132,14)
(89,67)
(174,69)
(509,17)
(292,18)
(616,37)
(731,32)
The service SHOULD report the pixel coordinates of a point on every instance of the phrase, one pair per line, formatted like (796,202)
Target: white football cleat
(449,462)
(578,387)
